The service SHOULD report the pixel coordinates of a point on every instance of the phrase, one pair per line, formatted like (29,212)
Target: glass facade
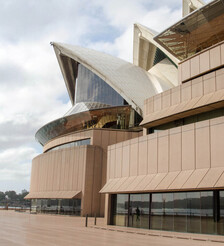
(91,88)
(71,144)
(188,120)
(194,212)
(56,206)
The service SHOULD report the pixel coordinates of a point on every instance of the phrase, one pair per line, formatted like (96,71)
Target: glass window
(167,213)
(180,211)
(156,211)
(120,209)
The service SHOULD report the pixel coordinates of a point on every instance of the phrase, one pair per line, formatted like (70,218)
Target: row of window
(188,120)
(71,144)
(195,212)
(56,206)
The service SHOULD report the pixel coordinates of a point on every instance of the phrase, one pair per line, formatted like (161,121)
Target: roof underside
(133,83)
(197,31)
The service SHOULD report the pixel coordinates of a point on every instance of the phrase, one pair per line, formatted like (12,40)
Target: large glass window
(91,88)
(194,212)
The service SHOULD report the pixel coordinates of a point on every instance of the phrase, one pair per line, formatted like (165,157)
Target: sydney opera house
(143,142)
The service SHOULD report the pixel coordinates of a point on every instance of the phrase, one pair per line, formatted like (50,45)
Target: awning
(54,195)
(206,178)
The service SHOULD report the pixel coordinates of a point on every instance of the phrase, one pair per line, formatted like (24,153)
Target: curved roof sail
(133,83)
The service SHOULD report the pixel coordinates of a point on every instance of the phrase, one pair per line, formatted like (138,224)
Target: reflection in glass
(91,88)
(120,212)
(167,215)
(156,211)
(180,211)
(139,211)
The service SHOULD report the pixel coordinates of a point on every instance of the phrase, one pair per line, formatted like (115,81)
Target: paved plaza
(46,230)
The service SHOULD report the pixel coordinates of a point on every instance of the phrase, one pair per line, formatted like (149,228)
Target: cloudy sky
(32,90)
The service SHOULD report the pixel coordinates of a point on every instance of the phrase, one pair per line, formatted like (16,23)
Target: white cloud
(32,91)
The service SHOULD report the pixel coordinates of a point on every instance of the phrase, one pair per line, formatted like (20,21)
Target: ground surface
(41,230)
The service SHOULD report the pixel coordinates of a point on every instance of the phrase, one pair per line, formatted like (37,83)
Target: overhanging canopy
(54,195)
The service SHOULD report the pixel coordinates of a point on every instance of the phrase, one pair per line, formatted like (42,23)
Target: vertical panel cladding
(66,168)
(49,176)
(163,151)
(62,169)
(120,136)
(219,79)
(202,144)
(175,95)
(157,103)
(134,157)
(217,142)
(186,91)
(209,83)
(152,153)
(126,159)
(204,60)
(185,70)
(166,99)
(195,68)
(222,54)
(71,168)
(112,162)
(108,163)
(175,147)
(97,182)
(188,147)
(118,161)
(97,137)
(78,167)
(142,156)
(197,87)
(58,167)
(113,137)
(215,57)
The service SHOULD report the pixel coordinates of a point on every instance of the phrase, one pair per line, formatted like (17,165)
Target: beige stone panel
(144,182)
(66,168)
(197,87)
(149,106)
(220,79)
(157,103)
(203,100)
(113,137)
(222,54)
(217,143)
(135,182)
(136,134)
(155,181)
(209,83)
(108,184)
(175,95)
(97,137)
(216,97)
(57,170)
(166,99)
(195,69)
(188,147)
(190,105)
(185,70)
(126,161)
(175,147)
(118,163)
(186,91)
(78,158)
(215,57)
(211,177)
(125,185)
(166,182)
(105,139)
(180,179)
(50,171)
(142,157)
(118,184)
(180,107)
(220,182)
(62,169)
(152,154)
(134,159)
(71,167)
(163,152)
(127,136)
(112,163)
(204,62)
(108,163)
(202,146)
(97,178)
(195,178)
(170,111)
(120,136)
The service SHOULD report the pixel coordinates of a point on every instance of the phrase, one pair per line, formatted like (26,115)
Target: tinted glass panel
(180,211)
(91,88)
(120,212)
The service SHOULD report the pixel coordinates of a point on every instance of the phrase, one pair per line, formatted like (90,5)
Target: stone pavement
(19,229)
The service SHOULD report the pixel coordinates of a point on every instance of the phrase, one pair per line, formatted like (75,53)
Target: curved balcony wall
(111,117)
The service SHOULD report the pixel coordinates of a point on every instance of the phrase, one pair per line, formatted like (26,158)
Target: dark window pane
(120,209)
(180,211)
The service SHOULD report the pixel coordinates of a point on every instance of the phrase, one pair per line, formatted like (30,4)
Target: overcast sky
(32,90)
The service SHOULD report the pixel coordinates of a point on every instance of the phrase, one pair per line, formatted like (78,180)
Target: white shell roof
(133,83)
